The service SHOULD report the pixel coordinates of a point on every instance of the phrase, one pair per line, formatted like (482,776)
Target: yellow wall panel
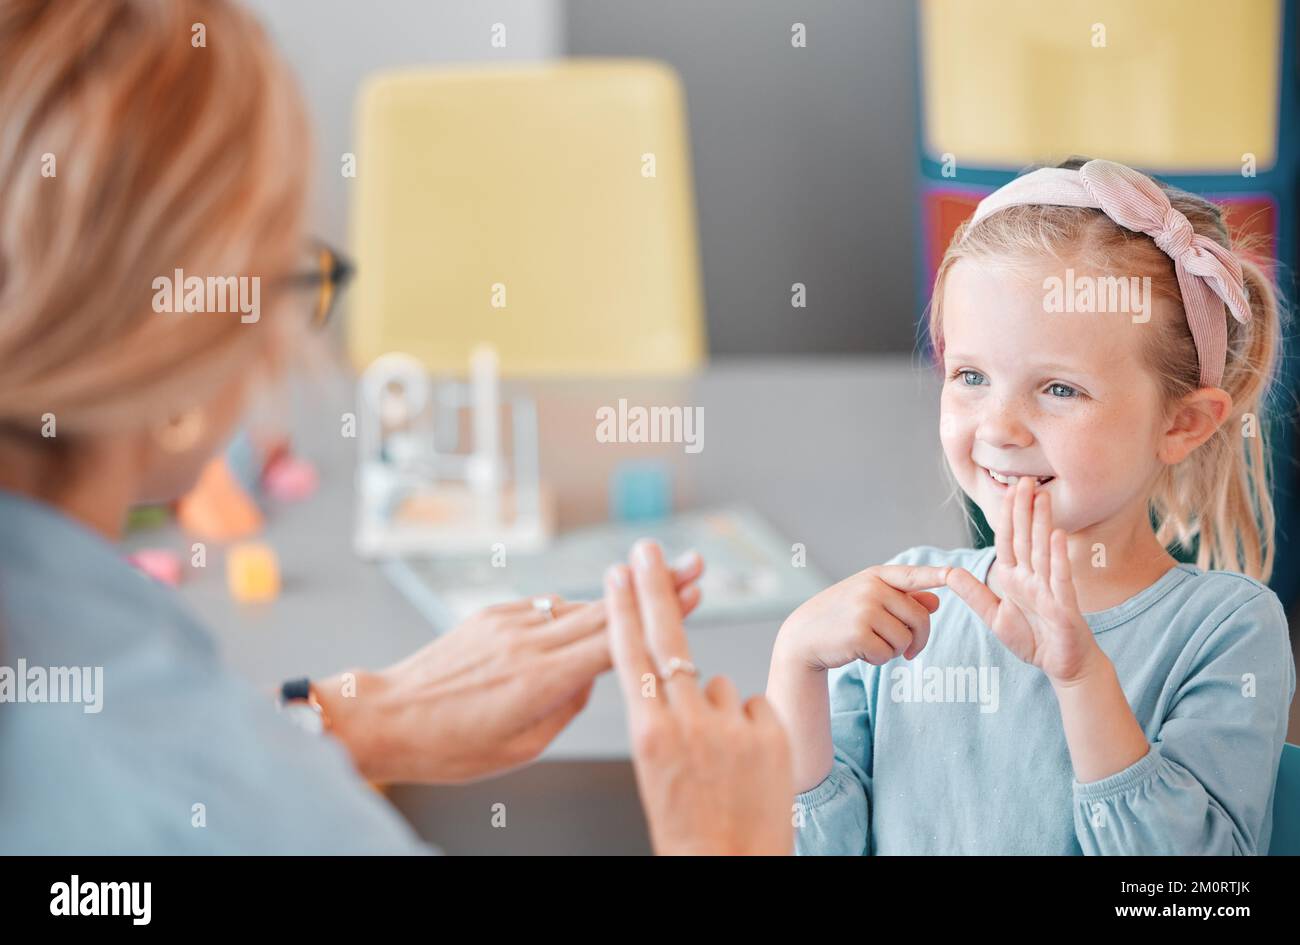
(1180,85)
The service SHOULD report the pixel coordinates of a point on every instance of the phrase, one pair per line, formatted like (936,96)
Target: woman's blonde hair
(137,137)
(1220,495)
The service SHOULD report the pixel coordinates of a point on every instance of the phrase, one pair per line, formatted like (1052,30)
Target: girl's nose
(1000,426)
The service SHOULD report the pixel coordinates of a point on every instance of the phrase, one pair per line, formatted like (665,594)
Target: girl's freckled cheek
(1097,447)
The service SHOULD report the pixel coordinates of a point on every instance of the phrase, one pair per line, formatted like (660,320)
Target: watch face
(304,716)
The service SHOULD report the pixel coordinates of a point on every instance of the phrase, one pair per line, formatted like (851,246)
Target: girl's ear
(1194,421)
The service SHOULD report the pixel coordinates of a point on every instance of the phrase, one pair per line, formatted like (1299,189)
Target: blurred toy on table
(226,505)
(223,505)
(420,489)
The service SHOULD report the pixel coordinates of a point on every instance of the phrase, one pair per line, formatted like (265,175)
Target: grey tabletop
(841,454)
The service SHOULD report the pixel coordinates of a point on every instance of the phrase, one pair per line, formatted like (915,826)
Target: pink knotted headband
(1209,276)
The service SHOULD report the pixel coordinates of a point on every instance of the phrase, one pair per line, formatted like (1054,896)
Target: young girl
(1082,691)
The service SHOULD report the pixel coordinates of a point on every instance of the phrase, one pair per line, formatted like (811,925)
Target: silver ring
(677,665)
(545,605)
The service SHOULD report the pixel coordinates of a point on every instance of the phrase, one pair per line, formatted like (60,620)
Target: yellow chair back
(546,210)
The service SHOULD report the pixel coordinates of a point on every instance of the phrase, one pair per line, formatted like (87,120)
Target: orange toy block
(218,508)
(252,573)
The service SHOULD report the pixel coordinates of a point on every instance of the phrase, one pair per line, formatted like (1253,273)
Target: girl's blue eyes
(976,379)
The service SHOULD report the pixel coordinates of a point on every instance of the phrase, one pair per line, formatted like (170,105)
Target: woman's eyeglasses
(326,272)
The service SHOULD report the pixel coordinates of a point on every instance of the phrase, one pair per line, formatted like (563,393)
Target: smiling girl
(1137,705)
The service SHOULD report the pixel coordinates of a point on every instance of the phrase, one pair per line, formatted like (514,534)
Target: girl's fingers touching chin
(1002,535)
(1042,530)
(1021,518)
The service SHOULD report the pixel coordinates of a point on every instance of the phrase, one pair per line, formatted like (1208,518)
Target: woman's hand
(485,697)
(714,774)
(1038,617)
(874,615)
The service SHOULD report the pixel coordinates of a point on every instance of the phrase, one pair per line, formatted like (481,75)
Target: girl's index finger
(911,577)
(627,644)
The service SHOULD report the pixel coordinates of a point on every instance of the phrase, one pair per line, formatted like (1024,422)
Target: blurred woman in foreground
(127,153)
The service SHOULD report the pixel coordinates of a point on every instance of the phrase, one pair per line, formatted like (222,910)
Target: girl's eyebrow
(1062,368)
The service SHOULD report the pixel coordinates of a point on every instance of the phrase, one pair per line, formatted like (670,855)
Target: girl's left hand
(1038,617)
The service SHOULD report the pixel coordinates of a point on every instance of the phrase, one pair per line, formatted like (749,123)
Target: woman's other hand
(714,774)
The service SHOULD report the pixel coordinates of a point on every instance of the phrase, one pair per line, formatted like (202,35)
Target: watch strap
(296,690)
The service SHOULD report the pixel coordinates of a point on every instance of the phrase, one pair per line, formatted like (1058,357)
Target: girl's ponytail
(1221,494)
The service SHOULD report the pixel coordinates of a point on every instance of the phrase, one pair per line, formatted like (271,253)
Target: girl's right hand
(874,615)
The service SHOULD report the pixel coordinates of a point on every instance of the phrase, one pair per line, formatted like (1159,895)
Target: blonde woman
(126,153)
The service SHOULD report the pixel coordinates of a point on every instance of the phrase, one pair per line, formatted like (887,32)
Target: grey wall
(804,160)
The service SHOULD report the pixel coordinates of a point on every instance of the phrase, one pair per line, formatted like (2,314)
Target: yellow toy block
(252,573)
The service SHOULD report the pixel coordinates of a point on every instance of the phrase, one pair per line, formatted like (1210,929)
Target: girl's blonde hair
(1220,495)
(137,137)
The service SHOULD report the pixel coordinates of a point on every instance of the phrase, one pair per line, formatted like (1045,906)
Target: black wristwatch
(298,701)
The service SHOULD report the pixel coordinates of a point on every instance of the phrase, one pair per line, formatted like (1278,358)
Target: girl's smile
(1008,479)
(1062,398)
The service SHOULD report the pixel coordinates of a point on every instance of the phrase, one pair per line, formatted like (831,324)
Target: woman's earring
(180,433)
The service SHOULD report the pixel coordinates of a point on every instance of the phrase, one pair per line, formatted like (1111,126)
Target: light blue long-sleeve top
(168,728)
(962,750)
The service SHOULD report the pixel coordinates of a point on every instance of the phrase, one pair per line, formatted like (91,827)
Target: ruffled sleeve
(1205,786)
(834,817)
